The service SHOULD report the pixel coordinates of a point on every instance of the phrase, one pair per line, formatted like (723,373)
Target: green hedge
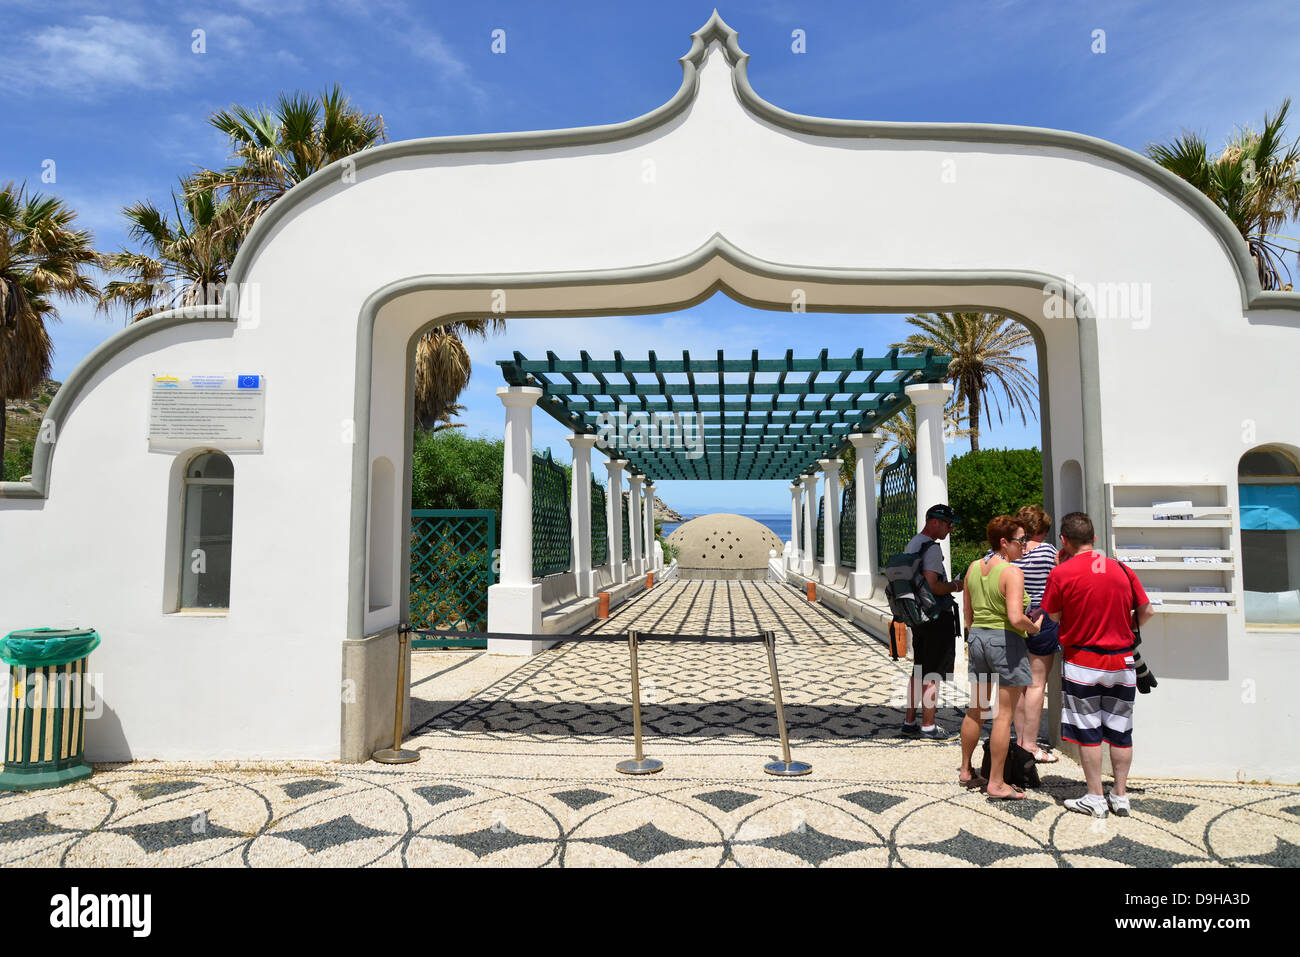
(987,483)
(963,553)
(452,470)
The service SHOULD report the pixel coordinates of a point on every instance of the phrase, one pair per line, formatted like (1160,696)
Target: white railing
(776,568)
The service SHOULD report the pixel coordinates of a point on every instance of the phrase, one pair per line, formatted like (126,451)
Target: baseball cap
(944,513)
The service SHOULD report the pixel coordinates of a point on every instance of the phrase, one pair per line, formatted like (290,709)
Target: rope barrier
(640,764)
(608,637)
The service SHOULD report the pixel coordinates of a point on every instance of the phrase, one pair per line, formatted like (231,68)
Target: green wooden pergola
(760,418)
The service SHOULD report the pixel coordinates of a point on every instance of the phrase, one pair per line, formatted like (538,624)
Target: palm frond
(1255,181)
(42,256)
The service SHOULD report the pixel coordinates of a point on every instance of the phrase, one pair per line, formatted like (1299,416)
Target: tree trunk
(973,403)
(4,421)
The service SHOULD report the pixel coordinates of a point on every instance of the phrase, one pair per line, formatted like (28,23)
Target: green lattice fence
(849,526)
(599,525)
(896,521)
(819,546)
(627,532)
(451,569)
(551,532)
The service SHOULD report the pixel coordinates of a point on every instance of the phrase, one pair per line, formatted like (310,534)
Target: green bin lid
(43,647)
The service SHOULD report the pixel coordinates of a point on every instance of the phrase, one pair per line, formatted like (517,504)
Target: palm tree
(1255,181)
(42,255)
(185,261)
(442,370)
(274,150)
(899,431)
(985,352)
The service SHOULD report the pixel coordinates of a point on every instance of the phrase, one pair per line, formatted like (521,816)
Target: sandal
(1045,757)
(975,781)
(1015,795)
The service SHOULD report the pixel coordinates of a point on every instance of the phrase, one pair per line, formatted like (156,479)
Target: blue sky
(115,96)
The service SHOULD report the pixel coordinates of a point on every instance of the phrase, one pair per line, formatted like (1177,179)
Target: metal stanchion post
(785,766)
(397,754)
(639,763)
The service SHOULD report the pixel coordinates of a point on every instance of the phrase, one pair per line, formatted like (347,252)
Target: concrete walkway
(518,759)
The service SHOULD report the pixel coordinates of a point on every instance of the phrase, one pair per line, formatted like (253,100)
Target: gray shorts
(995,652)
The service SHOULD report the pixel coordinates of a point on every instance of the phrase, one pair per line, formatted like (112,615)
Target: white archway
(336,280)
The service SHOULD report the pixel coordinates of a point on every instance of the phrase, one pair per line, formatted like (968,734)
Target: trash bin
(45,727)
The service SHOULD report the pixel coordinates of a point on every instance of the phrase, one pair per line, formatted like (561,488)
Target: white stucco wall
(264,680)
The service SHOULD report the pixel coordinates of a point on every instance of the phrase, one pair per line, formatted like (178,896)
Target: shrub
(988,483)
(453,470)
(963,553)
(18,461)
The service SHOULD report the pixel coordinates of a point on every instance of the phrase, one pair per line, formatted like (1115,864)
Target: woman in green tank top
(995,603)
(988,599)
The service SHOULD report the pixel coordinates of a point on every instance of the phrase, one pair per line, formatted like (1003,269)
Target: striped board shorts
(1097,692)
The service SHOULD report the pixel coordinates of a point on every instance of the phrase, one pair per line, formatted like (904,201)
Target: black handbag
(1021,770)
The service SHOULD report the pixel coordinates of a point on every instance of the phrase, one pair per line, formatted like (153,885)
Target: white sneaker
(1118,804)
(1088,804)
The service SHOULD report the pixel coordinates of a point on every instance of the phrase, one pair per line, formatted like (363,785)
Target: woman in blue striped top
(1037,563)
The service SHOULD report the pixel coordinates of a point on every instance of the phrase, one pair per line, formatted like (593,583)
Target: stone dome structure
(723,546)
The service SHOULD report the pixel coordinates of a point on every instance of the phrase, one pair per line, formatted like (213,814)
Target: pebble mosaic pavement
(517,768)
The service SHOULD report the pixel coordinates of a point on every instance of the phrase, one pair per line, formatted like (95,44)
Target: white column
(831,530)
(652,552)
(634,521)
(614,502)
(931,457)
(806,565)
(515,603)
(862,581)
(580,514)
(795,491)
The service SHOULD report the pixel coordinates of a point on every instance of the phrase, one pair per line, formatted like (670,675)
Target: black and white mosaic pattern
(521,773)
(405,819)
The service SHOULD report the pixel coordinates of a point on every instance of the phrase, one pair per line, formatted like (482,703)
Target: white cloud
(289,59)
(224,34)
(274,8)
(97,55)
(429,46)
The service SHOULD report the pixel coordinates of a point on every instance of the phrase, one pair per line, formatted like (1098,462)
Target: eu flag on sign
(248,381)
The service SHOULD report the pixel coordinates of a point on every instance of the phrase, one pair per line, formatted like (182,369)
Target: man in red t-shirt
(1093,598)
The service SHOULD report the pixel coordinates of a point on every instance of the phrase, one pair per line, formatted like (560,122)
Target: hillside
(23,416)
(666,514)
(22,424)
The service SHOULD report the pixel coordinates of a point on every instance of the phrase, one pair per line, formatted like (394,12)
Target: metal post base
(644,766)
(395,756)
(788,768)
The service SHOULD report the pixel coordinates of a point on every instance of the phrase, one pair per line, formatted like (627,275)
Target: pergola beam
(854,363)
(743,429)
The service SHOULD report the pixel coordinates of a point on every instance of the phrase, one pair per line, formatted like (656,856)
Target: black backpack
(907,591)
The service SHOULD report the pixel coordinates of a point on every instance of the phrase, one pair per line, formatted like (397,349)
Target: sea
(777,523)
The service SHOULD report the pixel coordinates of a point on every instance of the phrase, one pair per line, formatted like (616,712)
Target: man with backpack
(934,622)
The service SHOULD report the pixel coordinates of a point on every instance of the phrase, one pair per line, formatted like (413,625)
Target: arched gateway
(1161,360)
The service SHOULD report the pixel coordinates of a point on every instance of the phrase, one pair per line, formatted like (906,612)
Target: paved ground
(517,768)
